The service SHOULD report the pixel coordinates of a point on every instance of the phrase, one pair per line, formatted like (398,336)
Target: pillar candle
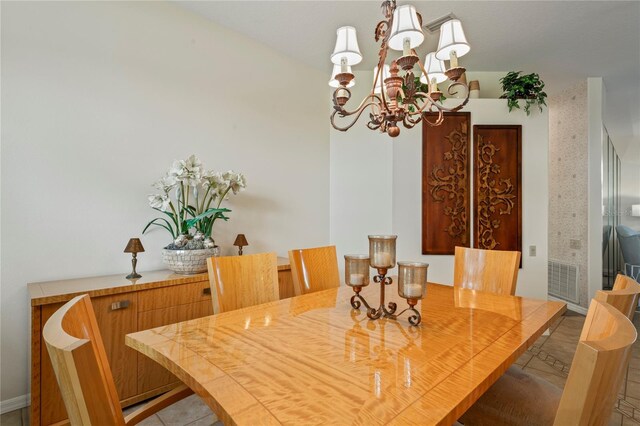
(382,259)
(356,279)
(412,291)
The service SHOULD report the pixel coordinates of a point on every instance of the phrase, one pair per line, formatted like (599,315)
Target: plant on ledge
(528,87)
(190,199)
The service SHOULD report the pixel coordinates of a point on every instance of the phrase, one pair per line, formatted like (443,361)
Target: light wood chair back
(243,281)
(81,366)
(623,297)
(495,271)
(314,269)
(598,367)
(82,370)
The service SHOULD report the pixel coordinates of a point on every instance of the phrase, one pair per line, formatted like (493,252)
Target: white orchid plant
(191,197)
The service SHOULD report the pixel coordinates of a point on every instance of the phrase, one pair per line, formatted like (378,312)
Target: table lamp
(240,242)
(134,246)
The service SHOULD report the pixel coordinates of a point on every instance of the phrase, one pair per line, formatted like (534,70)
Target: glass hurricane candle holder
(356,275)
(356,270)
(412,280)
(412,285)
(382,251)
(382,257)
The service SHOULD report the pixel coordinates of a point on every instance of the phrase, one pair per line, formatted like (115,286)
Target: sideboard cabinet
(122,306)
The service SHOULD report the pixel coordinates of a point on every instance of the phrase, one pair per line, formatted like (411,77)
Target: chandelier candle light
(401,101)
(412,278)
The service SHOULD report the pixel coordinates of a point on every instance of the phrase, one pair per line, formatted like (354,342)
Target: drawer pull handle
(123,304)
(206,291)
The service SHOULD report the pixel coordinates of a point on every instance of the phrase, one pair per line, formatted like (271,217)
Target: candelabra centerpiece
(394,98)
(412,278)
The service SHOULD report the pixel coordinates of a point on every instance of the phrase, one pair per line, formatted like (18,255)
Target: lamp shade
(134,246)
(635,210)
(240,241)
(385,74)
(336,70)
(405,25)
(452,38)
(435,69)
(346,47)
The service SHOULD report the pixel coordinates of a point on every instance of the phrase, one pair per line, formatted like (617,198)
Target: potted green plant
(190,199)
(528,87)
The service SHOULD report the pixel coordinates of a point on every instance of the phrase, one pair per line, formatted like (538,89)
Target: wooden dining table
(313,359)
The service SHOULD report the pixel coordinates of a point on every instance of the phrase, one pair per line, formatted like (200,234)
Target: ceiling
(563,41)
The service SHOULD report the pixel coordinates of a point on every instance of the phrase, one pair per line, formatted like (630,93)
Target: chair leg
(158,404)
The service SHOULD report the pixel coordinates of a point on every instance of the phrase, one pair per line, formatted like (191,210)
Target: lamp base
(133,275)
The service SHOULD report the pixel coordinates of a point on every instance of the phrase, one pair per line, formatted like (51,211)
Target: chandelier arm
(466,98)
(357,113)
(428,102)
(345,113)
(408,122)
(438,121)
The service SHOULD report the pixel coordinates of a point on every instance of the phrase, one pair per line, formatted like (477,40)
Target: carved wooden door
(445,184)
(497,201)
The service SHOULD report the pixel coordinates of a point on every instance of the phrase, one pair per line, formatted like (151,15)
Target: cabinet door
(152,375)
(117,317)
(114,324)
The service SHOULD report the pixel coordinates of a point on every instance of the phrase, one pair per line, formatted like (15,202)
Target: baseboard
(16,403)
(571,306)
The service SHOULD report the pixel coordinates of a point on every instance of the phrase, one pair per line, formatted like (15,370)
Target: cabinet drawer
(174,295)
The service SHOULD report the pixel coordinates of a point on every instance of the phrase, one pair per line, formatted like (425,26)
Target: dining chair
(314,269)
(518,398)
(243,281)
(624,295)
(495,271)
(82,370)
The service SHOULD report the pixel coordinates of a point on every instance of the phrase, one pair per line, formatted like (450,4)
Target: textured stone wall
(568,174)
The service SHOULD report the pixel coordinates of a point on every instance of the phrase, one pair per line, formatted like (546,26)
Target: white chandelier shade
(385,74)
(435,69)
(405,25)
(337,70)
(452,39)
(346,47)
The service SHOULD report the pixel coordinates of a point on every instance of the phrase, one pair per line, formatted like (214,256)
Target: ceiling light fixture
(401,101)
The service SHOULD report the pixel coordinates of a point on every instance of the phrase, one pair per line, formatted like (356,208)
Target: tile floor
(560,345)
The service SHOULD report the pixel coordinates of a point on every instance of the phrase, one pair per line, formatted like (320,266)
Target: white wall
(595,102)
(407,191)
(98,98)
(361,180)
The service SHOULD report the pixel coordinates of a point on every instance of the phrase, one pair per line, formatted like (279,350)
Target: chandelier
(396,99)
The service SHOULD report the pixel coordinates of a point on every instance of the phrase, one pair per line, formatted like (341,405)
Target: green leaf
(168,226)
(206,214)
(171,215)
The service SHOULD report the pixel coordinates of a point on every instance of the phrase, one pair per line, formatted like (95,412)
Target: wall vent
(563,280)
(433,26)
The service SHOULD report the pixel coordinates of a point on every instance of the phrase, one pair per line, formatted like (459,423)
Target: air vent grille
(563,280)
